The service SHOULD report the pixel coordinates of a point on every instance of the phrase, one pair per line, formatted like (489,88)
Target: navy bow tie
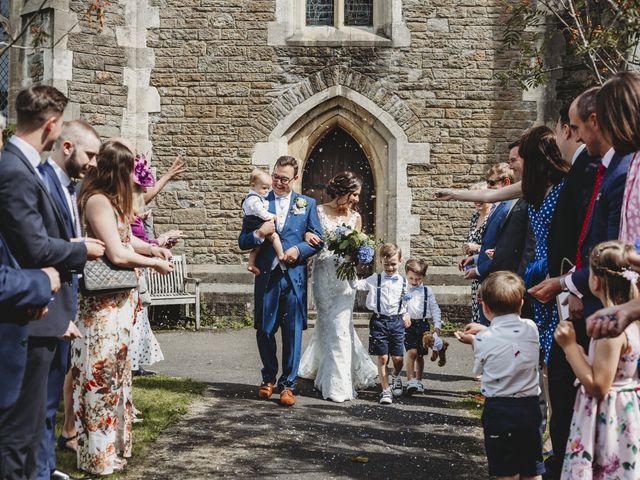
(393,278)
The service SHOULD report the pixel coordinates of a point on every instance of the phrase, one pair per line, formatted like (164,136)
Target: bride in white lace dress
(335,357)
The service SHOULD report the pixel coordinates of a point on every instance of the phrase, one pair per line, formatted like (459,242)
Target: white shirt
(507,355)
(257,205)
(33,156)
(282,210)
(65,181)
(390,293)
(415,306)
(606,160)
(577,153)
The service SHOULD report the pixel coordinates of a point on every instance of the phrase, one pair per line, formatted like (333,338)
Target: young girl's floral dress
(604,440)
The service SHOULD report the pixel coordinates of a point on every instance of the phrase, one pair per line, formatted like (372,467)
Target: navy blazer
(604,224)
(298,222)
(56,190)
(569,213)
(516,243)
(19,290)
(490,238)
(36,233)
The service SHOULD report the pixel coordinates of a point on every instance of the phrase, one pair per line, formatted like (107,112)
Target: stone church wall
(216,75)
(208,86)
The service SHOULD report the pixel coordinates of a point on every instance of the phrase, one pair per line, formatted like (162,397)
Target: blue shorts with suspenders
(413,334)
(386,333)
(252,222)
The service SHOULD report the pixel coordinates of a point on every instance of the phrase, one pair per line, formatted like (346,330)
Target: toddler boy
(421,306)
(256,210)
(387,299)
(506,355)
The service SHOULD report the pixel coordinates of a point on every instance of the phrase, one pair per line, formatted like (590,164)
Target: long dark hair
(113,178)
(342,184)
(618,111)
(543,164)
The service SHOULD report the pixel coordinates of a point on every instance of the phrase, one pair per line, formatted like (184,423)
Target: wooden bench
(171,289)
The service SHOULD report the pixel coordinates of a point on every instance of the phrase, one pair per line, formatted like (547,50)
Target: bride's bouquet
(351,248)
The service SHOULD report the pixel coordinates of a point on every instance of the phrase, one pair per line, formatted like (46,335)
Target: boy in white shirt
(256,211)
(506,355)
(387,299)
(421,307)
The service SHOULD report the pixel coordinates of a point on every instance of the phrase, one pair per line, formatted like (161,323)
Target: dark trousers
(21,425)
(287,317)
(562,395)
(55,384)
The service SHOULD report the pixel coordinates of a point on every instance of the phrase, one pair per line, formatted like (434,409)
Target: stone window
(337,13)
(339,23)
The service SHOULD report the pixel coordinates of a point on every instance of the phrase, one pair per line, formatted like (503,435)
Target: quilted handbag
(101,277)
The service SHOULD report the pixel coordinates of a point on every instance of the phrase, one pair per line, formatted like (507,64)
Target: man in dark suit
(24,296)
(516,243)
(74,153)
(35,231)
(507,233)
(594,195)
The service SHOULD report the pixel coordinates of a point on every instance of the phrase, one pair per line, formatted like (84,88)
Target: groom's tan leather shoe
(266,390)
(286,398)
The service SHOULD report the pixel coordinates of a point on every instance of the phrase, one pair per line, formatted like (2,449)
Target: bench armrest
(191,279)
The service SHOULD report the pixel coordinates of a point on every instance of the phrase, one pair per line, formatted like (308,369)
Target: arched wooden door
(336,152)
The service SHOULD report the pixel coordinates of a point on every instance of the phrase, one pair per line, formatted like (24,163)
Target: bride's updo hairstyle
(342,184)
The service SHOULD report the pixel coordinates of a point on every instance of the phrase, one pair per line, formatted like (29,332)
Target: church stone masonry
(232,84)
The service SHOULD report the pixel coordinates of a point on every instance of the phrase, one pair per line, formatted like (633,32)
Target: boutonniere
(299,206)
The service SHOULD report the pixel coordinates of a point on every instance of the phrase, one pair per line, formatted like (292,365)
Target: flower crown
(630,275)
(142,174)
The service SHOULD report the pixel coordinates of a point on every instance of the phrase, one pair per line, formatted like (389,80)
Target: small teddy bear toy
(437,345)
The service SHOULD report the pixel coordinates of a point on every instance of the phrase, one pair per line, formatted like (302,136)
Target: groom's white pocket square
(299,211)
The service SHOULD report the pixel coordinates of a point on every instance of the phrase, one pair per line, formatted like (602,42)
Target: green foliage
(602,35)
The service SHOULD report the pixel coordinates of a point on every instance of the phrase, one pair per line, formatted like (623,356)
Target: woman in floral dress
(604,440)
(100,365)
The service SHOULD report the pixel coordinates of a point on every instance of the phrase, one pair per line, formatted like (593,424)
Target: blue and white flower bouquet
(352,248)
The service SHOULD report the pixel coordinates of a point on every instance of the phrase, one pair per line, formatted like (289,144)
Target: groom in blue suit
(281,287)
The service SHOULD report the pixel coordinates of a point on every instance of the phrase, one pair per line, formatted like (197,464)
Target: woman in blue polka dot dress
(542,180)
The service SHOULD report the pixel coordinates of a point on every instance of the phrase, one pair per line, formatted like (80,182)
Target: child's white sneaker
(420,387)
(385,397)
(413,386)
(396,385)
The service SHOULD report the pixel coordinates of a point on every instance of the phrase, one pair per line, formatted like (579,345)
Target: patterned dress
(475,235)
(604,440)
(630,215)
(101,371)
(545,314)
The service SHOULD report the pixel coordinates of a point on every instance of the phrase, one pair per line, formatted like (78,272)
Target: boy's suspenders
(378,294)
(404,287)
(425,307)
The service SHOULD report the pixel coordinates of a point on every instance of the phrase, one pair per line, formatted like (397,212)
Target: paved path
(231,433)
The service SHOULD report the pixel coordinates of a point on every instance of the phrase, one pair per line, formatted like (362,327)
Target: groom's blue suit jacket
(296,224)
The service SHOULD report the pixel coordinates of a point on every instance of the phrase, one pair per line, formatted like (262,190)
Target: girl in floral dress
(100,364)
(604,440)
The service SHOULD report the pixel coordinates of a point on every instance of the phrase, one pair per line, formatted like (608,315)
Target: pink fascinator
(142,175)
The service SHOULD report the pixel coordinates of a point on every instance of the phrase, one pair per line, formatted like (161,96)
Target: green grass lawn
(162,401)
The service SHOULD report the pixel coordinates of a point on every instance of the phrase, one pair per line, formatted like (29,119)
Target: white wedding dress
(335,356)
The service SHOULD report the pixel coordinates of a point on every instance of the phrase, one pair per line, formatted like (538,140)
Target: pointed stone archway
(379,135)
